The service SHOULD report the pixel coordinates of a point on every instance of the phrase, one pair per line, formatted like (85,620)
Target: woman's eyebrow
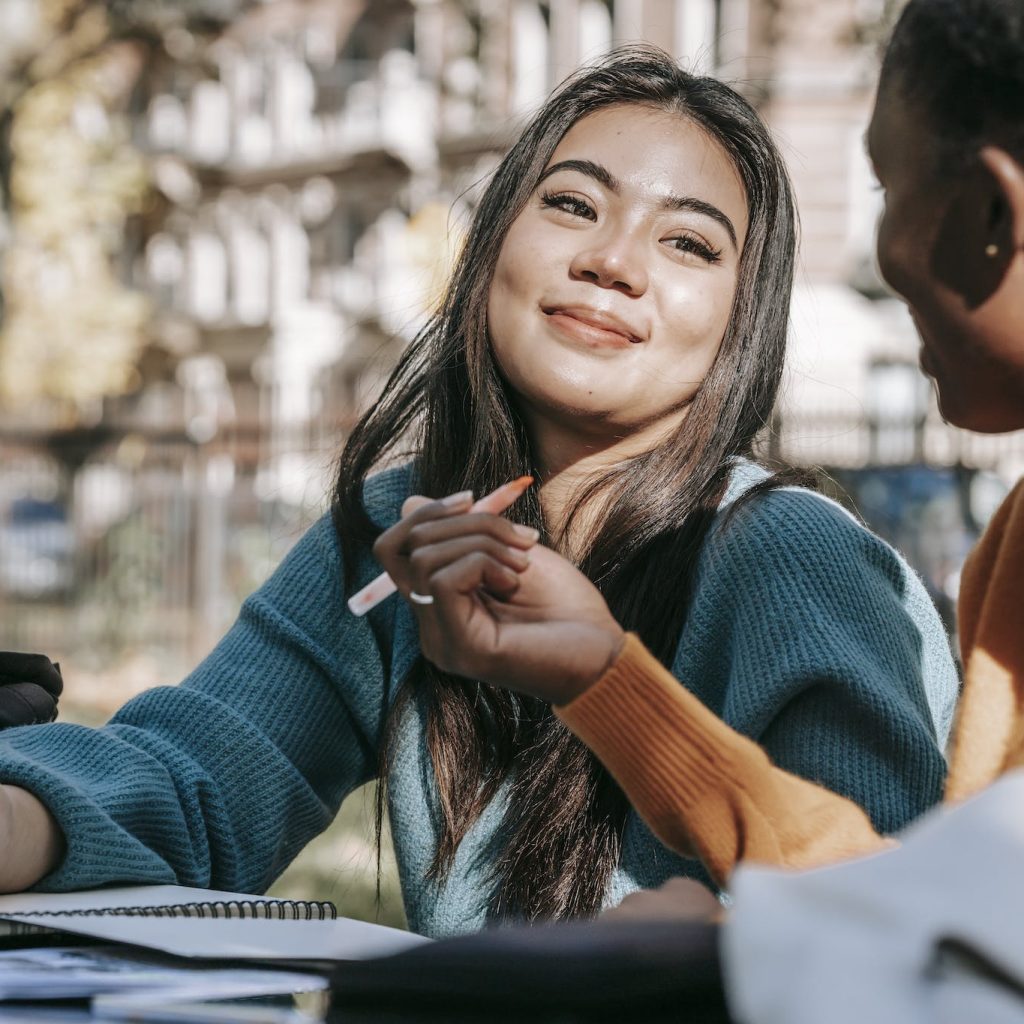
(587,167)
(610,182)
(694,205)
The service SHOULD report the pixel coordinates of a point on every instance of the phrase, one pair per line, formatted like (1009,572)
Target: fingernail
(526,532)
(454,500)
(519,556)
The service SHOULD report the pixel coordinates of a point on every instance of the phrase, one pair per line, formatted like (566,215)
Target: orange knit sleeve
(704,789)
(989,733)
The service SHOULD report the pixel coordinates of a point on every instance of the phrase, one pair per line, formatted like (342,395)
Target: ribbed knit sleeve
(703,788)
(811,637)
(221,780)
(990,722)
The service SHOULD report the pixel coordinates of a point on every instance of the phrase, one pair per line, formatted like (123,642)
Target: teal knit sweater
(806,632)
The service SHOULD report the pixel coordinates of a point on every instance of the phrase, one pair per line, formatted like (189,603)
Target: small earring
(991,250)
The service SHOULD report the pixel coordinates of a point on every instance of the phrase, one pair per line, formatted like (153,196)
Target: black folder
(574,972)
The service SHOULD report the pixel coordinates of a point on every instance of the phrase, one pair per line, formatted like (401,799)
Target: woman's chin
(567,401)
(958,408)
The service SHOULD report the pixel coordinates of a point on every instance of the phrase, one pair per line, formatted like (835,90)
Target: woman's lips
(592,329)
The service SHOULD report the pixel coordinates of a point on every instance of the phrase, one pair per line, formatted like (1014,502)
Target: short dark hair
(962,61)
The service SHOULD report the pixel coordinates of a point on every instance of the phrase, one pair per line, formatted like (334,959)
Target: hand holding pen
(494,605)
(495,503)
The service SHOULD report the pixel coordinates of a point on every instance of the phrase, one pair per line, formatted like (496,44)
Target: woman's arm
(813,637)
(809,635)
(31,843)
(219,781)
(703,788)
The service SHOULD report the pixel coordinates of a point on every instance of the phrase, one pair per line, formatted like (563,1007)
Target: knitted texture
(702,787)
(990,725)
(805,632)
(815,638)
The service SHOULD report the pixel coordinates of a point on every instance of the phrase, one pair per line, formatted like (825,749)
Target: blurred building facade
(317,180)
(314,174)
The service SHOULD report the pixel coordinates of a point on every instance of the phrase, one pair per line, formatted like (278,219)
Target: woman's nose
(612,261)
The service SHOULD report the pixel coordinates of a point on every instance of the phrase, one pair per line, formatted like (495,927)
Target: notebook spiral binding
(274,910)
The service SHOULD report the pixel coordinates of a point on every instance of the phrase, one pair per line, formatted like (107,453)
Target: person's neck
(567,461)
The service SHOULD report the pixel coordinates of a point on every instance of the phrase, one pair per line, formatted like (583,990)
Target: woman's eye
(697,247)
(568,203)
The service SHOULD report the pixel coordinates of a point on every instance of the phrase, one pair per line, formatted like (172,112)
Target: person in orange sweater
(946,146)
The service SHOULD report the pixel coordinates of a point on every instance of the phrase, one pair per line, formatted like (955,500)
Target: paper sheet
(205,938)
(241,939)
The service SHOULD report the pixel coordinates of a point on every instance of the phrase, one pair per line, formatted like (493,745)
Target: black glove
(29,687)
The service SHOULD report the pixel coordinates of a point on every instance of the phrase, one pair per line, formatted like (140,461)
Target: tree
(71,326)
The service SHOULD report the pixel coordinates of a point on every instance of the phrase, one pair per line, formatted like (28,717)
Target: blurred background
(222,220)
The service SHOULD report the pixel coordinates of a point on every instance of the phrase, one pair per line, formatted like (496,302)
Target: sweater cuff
(662,745)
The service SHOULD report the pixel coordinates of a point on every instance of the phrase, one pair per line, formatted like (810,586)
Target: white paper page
(123,896)
(238,938)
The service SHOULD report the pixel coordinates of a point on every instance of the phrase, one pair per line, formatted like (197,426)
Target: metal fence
(122,540)
(851,439)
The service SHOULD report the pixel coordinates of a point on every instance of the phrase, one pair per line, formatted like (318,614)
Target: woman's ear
(982,228)
(1007,206)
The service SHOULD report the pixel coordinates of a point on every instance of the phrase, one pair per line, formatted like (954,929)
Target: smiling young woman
(616,329)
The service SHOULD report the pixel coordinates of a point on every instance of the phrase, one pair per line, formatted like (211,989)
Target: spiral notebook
(199,924)
(150,901)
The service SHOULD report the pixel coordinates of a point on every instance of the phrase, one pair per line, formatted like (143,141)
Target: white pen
(384,586)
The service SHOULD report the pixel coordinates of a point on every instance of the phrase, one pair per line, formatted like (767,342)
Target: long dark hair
(561,832)
(963,62)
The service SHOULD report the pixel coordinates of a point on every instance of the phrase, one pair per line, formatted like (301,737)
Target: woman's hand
(505,610)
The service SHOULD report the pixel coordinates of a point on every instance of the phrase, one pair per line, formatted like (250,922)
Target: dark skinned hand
(506,610)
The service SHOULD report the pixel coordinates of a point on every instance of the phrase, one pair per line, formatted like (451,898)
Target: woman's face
(615,284)
(934,249)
